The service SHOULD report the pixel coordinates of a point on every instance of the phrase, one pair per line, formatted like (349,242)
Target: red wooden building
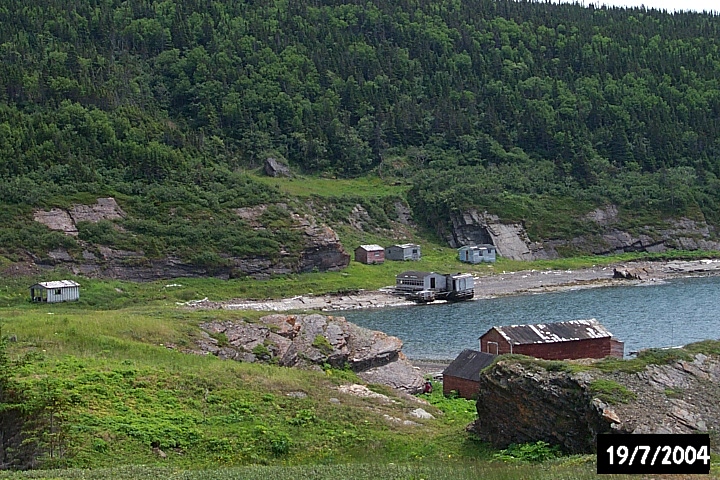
(370,254)
(554,341)
(463,374)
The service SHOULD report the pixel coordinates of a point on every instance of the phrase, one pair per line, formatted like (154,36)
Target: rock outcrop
(524,401)
(66,221)
(275,168)
(321,248)
(512,241)
(312,341)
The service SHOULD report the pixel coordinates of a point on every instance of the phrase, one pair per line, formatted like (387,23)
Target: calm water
(654,315)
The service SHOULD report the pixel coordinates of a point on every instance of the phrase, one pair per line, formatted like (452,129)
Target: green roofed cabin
(57,291)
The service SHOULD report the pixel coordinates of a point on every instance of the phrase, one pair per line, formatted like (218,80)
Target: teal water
(662,314)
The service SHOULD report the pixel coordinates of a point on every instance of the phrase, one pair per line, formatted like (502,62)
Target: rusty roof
(553,332)
(371,248)
(468,364)
(405,245)
(57,284)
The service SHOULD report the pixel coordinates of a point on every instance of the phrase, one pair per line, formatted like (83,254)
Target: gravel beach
(489,286)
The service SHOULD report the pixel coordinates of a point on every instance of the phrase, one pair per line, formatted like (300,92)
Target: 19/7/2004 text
(653,454)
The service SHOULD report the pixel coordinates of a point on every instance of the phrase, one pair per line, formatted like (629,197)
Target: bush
(322,344)
(611,392)
(529,452)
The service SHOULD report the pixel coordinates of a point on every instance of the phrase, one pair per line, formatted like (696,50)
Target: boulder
(275,168)
(630,273)
(313,341)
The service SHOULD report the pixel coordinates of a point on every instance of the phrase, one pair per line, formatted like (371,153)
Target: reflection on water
(669,313)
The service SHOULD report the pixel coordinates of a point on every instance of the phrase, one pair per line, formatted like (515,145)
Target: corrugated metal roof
(461,275)
(484,246)
(58,284)
(468,364)
(372,248)
(413,274)
(553,332)
(406,245)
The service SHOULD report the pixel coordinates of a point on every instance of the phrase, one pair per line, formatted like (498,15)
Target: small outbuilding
(57,291)
(460,286)
(554,341)
(414,281)
(405,251)
(370,254)
(477,253)
(463,374)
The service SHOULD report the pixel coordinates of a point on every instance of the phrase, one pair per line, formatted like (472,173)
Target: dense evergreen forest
(493,104)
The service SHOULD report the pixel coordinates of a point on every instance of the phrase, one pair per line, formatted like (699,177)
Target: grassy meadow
(120,399)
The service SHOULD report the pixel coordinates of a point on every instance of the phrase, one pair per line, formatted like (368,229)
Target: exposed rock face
(104,209)
(321,250)
(404,214)
(512,241)
(524,402)
(359,218)
(310,341)
(66,221)
(680,233)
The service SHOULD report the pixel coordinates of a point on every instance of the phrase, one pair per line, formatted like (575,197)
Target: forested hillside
(499,105)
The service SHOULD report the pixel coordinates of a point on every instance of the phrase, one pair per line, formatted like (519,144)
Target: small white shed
(57,291)
(477,253)
(405,251)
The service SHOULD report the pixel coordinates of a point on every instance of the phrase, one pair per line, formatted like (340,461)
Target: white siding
(65,294)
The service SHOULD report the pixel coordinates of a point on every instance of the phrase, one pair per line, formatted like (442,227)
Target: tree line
(469,100)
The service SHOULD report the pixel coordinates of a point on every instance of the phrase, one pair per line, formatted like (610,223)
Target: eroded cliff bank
(569,403)
(604,233)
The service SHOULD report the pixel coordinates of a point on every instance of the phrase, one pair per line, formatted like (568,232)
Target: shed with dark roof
(554,341)
(463,374)
(414,281)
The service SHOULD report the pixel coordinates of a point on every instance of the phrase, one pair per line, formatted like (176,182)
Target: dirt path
(490,286)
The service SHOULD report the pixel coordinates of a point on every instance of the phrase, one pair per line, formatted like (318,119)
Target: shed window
(58,291)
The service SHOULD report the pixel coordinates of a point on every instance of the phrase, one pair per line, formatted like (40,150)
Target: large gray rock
(275,168)
(312,341)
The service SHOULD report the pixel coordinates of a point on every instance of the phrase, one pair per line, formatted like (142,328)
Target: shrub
(322,344)
(261,351)
(611,392)
(529,452)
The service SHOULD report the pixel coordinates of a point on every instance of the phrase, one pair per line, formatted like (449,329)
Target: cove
(654,314)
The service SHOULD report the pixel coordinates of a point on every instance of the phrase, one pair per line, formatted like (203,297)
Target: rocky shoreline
(489,286)
(290,335)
